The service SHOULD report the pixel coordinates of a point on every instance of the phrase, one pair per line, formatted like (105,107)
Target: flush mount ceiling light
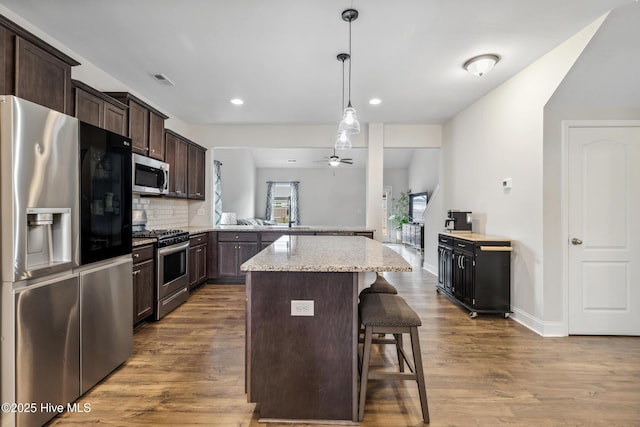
(343,142)
(375,101)
(237,101)
(349,123)
(482,64)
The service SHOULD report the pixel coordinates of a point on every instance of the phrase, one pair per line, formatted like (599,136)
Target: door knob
(576,241)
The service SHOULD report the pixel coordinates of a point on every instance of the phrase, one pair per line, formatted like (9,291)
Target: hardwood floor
(188,369)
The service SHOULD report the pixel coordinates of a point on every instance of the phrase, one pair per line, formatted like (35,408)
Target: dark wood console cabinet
(475,271)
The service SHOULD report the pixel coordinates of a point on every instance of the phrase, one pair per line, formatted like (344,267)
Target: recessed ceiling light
(237,101)
(162,79)
(375,101)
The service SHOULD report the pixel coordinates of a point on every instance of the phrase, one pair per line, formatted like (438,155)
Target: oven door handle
(173,248)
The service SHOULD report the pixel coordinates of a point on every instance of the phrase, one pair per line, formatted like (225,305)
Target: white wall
(327,196)
(424,170)
(604,84)
(500,136)
(238,181)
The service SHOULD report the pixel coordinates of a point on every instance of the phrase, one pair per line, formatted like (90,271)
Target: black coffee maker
(458,221)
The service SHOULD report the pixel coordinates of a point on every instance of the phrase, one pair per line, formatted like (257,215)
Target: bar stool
(381,285)
(390,314)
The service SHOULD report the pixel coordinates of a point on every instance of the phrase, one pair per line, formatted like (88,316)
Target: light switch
(302,307)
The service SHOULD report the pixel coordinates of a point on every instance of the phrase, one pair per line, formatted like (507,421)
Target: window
(282,202)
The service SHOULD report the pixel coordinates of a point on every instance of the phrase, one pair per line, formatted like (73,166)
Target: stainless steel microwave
(149,176)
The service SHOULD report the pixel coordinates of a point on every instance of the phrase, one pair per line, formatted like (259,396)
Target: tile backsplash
(162,212)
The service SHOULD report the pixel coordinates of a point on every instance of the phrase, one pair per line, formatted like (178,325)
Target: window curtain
(217,191)
(295,214)
(268,211)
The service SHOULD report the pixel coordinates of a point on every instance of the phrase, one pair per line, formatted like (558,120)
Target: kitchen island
(302,325)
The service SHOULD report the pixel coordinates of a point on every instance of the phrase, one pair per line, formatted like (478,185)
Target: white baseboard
(433,269)
(544,329)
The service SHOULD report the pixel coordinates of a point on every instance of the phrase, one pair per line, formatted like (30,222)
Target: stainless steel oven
(172,277)
(172,269)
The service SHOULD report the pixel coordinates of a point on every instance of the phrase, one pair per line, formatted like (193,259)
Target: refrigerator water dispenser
(48,237)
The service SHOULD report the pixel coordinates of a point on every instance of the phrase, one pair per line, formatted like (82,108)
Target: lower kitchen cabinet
(198,259)
(143,271)
(475,271)
(234,248)
(228,250)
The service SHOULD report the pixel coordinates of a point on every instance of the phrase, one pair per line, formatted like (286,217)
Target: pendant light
(349,123)
(344,141)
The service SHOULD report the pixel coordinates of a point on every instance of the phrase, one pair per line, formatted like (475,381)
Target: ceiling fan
(335,160)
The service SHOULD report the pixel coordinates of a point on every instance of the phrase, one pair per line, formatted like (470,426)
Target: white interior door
(604,230)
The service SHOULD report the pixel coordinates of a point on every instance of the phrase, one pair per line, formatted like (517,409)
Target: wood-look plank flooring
(188,369)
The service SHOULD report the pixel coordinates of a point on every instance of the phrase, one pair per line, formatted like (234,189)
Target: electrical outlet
(302,308)
(200,212)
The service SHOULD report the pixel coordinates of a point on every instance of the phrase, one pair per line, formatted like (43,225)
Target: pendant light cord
(350,59)
(342,104)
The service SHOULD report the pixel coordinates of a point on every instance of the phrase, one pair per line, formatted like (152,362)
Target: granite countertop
(303,228)
(324,228)
(135,242)
(327,254)
(474,237)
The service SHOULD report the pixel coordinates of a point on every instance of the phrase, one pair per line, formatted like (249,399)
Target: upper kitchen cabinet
(176,149)
(33,70)
(146,126)
(96,108)
(196,172)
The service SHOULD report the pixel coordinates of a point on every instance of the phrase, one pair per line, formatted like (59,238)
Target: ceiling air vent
(163,79)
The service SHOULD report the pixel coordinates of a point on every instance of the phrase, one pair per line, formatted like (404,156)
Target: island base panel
(302,367)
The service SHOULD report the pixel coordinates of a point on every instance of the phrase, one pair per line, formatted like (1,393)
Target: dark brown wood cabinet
(145,124)
(176,152)
(94,107)
(234,248)
(33,69)
(198,259)
(143,278)
(196,172)
(229,249)
(156,135)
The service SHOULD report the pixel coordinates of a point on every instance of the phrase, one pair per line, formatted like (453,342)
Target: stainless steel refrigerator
(40,296)
(58,318)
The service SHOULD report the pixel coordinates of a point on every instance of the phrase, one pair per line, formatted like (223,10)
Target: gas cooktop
(163,238)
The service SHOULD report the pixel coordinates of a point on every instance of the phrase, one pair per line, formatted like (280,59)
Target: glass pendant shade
(343,142)
(349,123)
